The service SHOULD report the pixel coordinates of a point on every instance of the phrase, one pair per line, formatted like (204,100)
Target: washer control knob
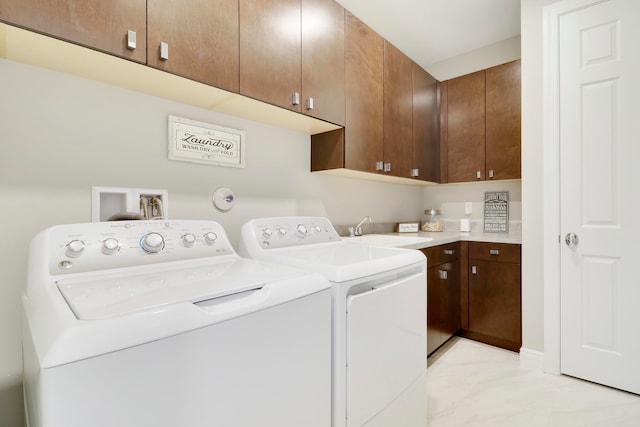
(188,239)
(282,231)
(301,231)
(152,243)
(210,238)
(266,233)
(75,248)
(110,246)
(317,229)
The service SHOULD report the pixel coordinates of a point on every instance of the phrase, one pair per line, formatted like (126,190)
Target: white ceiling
(431,31)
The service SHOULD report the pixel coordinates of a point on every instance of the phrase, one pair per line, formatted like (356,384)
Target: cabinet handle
(494,252)
(295,98)
(309,103)
(131,39)
(379,166)
(478,175)
(415,173)
(387,167)
(474,269)
(449,251)
(443,274)
(490,173)
(164,51)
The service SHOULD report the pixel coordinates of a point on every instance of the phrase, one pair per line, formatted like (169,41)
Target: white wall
(479,59)
(60,135)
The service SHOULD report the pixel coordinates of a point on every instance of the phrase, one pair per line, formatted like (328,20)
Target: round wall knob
(75,248)
(210,238)
(110,246)
(152,243)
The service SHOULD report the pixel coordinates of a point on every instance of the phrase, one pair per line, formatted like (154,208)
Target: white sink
(412,242)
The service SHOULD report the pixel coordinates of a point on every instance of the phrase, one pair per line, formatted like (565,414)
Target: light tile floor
(476,385)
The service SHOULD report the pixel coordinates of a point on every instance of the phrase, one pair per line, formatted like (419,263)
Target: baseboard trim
(531,359)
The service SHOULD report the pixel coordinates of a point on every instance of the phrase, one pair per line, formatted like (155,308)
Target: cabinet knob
(490,173)
(387,167)
(415,173)
(449,251)
(474,269)
(478,175)
(131,39)
(379,166)
(309,103)
(295,98)
(443,274)
(164,51)
(494,252)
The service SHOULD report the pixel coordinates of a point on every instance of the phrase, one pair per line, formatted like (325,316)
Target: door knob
(571,239)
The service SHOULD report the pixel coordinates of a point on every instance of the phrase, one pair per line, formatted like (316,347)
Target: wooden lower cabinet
(443,294)
(494,295)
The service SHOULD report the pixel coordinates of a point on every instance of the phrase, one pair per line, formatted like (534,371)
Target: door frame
(551,177)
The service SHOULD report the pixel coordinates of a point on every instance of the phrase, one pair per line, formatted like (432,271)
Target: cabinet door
(426,144)
(364,60)
(100,24)
(434,315)
(323,60)
(495,300)
(465,128)
(202,39)
(270,51)
(398,112)
(503,131)
(450,299)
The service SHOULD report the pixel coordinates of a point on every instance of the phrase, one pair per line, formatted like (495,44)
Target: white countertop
(424,239)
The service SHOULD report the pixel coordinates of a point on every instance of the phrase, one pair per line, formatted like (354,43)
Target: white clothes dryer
(161,323)
(379,317)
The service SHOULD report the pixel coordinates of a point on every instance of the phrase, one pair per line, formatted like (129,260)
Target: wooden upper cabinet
(398,112)
(465,128)
(202,38)
(503,121)
(99,24)
(364,68)
(323,91)
(426,138)
(270,51)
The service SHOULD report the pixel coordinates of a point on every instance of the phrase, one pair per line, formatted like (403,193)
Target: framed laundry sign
(496,212)
(199,142)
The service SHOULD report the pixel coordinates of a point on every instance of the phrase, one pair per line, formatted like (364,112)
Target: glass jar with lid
(432,220)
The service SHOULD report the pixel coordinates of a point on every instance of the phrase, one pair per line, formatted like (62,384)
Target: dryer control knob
(110,246)
(210,238)
(75,248)
(301,231)
(188,240)
(152,243)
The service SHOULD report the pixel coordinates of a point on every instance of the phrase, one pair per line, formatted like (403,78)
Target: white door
(599,68)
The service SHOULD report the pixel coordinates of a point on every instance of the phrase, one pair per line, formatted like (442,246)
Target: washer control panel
(96,246)
(282,232)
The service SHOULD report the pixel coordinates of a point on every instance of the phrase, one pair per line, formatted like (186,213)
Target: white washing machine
(379,317)
(161,323)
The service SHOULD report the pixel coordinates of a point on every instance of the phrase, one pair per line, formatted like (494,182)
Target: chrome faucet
(358,228)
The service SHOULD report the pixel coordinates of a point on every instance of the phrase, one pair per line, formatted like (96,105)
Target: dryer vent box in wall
(113,203)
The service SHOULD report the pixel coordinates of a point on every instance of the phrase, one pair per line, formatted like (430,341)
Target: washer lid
(343,261)
(117,294)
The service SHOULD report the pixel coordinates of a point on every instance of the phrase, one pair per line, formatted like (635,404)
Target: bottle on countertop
(432,220)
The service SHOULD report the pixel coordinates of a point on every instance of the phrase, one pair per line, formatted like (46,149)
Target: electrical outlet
(468,208)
